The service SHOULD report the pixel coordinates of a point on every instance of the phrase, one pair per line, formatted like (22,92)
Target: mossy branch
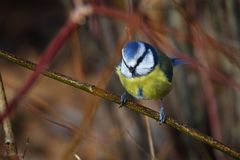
(130,105)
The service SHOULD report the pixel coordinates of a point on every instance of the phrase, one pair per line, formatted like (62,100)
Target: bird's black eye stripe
(125,63)
(140,59)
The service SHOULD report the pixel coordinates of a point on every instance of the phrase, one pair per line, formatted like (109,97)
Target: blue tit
(146,72)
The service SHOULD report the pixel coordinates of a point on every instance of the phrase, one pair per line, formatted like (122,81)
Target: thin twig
(136,144)
(130,105)
(7,127)
(77,59)
(150,141)
(26,148)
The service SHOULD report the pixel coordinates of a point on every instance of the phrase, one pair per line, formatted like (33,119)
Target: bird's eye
(139,59)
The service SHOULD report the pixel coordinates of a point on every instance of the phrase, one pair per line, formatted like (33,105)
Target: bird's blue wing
(178,61)
(165,65)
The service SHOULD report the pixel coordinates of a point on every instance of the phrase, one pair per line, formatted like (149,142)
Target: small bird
(146,72)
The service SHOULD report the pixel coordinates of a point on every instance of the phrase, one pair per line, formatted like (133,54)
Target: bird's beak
(132,69)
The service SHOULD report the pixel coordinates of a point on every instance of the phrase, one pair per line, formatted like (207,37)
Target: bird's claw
(162,116)
(123,100)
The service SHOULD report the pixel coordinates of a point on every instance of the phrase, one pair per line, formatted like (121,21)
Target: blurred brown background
(53,114)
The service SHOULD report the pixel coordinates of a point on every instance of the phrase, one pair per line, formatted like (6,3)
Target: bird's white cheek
(146,65)
(125,70)
(142,71)
(148,61)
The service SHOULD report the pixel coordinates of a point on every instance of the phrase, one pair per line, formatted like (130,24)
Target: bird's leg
(162,114)
(123,99)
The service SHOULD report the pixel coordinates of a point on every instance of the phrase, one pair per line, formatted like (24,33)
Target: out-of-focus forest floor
(205,92)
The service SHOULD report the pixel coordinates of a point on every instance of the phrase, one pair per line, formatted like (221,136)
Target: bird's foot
(123,100)
(162,115)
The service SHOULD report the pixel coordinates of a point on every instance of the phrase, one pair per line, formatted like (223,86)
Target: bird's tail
(178,61)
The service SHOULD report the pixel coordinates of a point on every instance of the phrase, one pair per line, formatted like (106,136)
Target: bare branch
(130,105)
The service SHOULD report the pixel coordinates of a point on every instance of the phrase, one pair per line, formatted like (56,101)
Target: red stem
(47,56)
(207,86)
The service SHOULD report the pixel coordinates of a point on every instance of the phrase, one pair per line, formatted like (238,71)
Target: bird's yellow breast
(154,85)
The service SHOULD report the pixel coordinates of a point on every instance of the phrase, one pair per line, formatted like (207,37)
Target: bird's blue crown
(131,48)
